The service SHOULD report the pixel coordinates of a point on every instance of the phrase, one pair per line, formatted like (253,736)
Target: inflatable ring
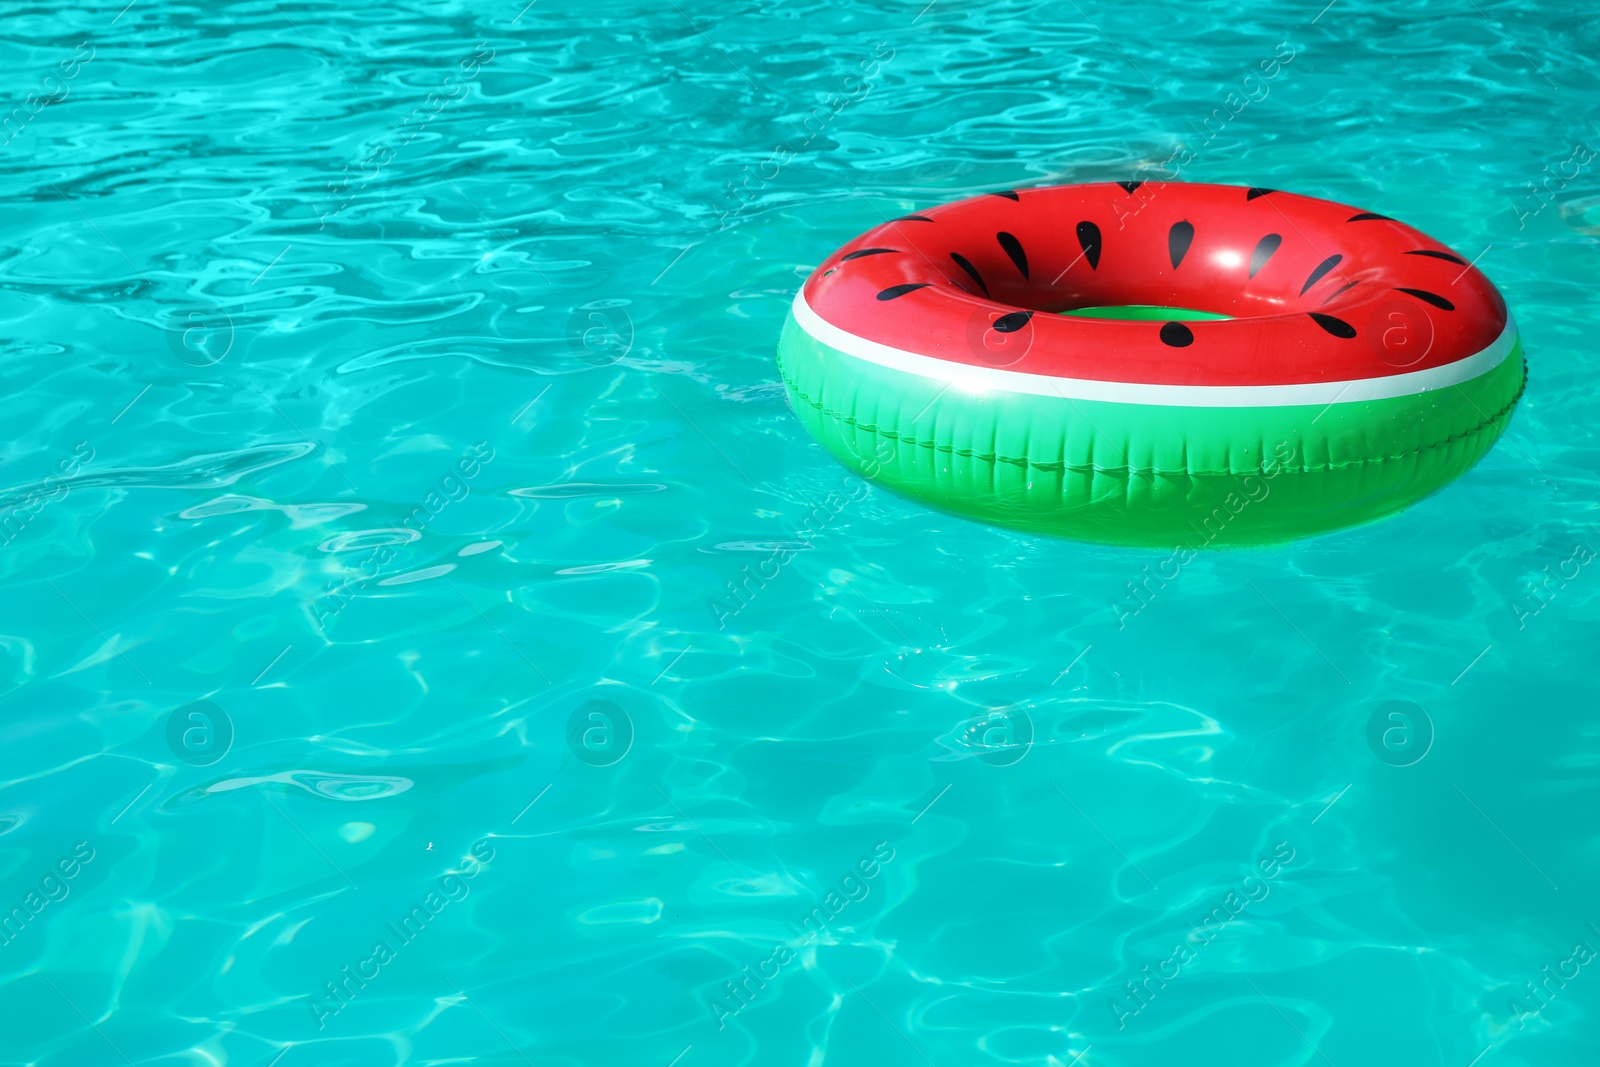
(1153,363)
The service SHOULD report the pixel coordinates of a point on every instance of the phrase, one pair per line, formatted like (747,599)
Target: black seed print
(1179,238)
(1013,249)
(1009,195)
(1264,249)
(1368,216)
(1318,271)
(1438,255)
(1130,186)
(1177,335)
(1428,298)
(1089,241)
(966,265)
(1345,288)
(867,252)
(1337,327)
(895,291)
(1253,193)
(1013,322)
(913,218)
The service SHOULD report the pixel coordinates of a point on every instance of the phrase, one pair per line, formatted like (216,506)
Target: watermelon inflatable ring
(1153,363)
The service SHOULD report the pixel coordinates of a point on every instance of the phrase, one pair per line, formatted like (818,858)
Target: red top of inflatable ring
(1320,292)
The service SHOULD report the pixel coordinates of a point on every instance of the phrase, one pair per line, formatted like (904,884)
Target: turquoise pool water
(430,639)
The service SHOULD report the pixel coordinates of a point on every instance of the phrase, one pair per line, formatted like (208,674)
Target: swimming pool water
(430,639)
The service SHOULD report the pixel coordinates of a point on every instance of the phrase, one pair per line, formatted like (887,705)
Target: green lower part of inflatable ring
(1135,474)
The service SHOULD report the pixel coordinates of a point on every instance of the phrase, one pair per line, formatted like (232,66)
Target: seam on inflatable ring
(968,453)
